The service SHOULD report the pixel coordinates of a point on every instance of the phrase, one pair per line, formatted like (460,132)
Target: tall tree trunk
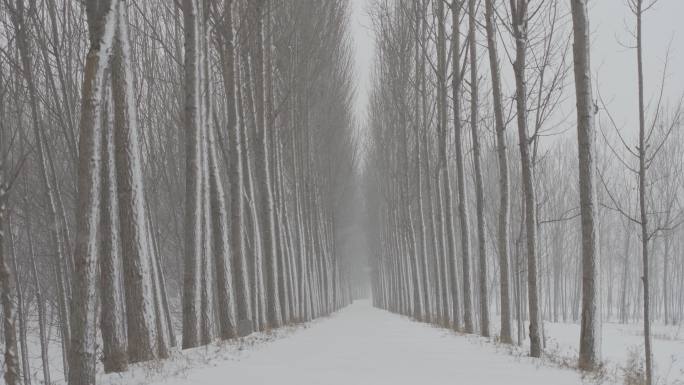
(42,317)
(193,185)
(502,234)
(139,294)
(283,250)
(519,28)
(102,20)
(207,266)
(112,322)
(456,84)
(250,162)
(237,204)
(262,70)
(224,278)
(643,210)
(25,367)
(590,334)
(8,285)
(419,134)
(479,188)
(165,335)
(448,239)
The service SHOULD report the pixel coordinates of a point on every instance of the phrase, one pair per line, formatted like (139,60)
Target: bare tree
(502,157)
(112,322)
(479,187)
(590,335)
(135,239)
(519,27)
(9,308)
(237,211)
(193,211)
(82,356)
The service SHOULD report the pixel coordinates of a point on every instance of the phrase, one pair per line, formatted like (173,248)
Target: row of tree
(163,161)
(462,222)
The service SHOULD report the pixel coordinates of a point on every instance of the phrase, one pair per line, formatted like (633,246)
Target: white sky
(613,63)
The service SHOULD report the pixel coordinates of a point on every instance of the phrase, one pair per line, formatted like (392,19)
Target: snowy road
(362,345)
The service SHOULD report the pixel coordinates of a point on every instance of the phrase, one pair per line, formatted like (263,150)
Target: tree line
(169,167)
(488,197)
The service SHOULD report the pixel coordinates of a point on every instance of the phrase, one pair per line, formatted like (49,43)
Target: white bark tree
(102,20)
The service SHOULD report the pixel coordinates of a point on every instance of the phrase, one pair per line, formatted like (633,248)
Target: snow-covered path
(362,345)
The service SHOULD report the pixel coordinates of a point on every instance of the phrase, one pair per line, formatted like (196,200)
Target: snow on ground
(361,345)
(621,340)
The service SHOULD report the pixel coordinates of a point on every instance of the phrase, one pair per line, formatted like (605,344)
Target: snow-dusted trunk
(519,28)
(284,254)
(416,265)
(139,293)
(423,250)
(40,300)
(500,127)
(207,264)
(193,186)
(261,52)
(21,310)
(479,185)
(420,133)
(249,162)
(291,262)
(456,84)
(309,236)
(434,229)
(256,265)
(221,247)
(102,20)
(407,227)
(300,264)
(243,304)
(431,238)
(165,335)
(7,285)
(590,337)
(275,172)
(112,322)
(444,185)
